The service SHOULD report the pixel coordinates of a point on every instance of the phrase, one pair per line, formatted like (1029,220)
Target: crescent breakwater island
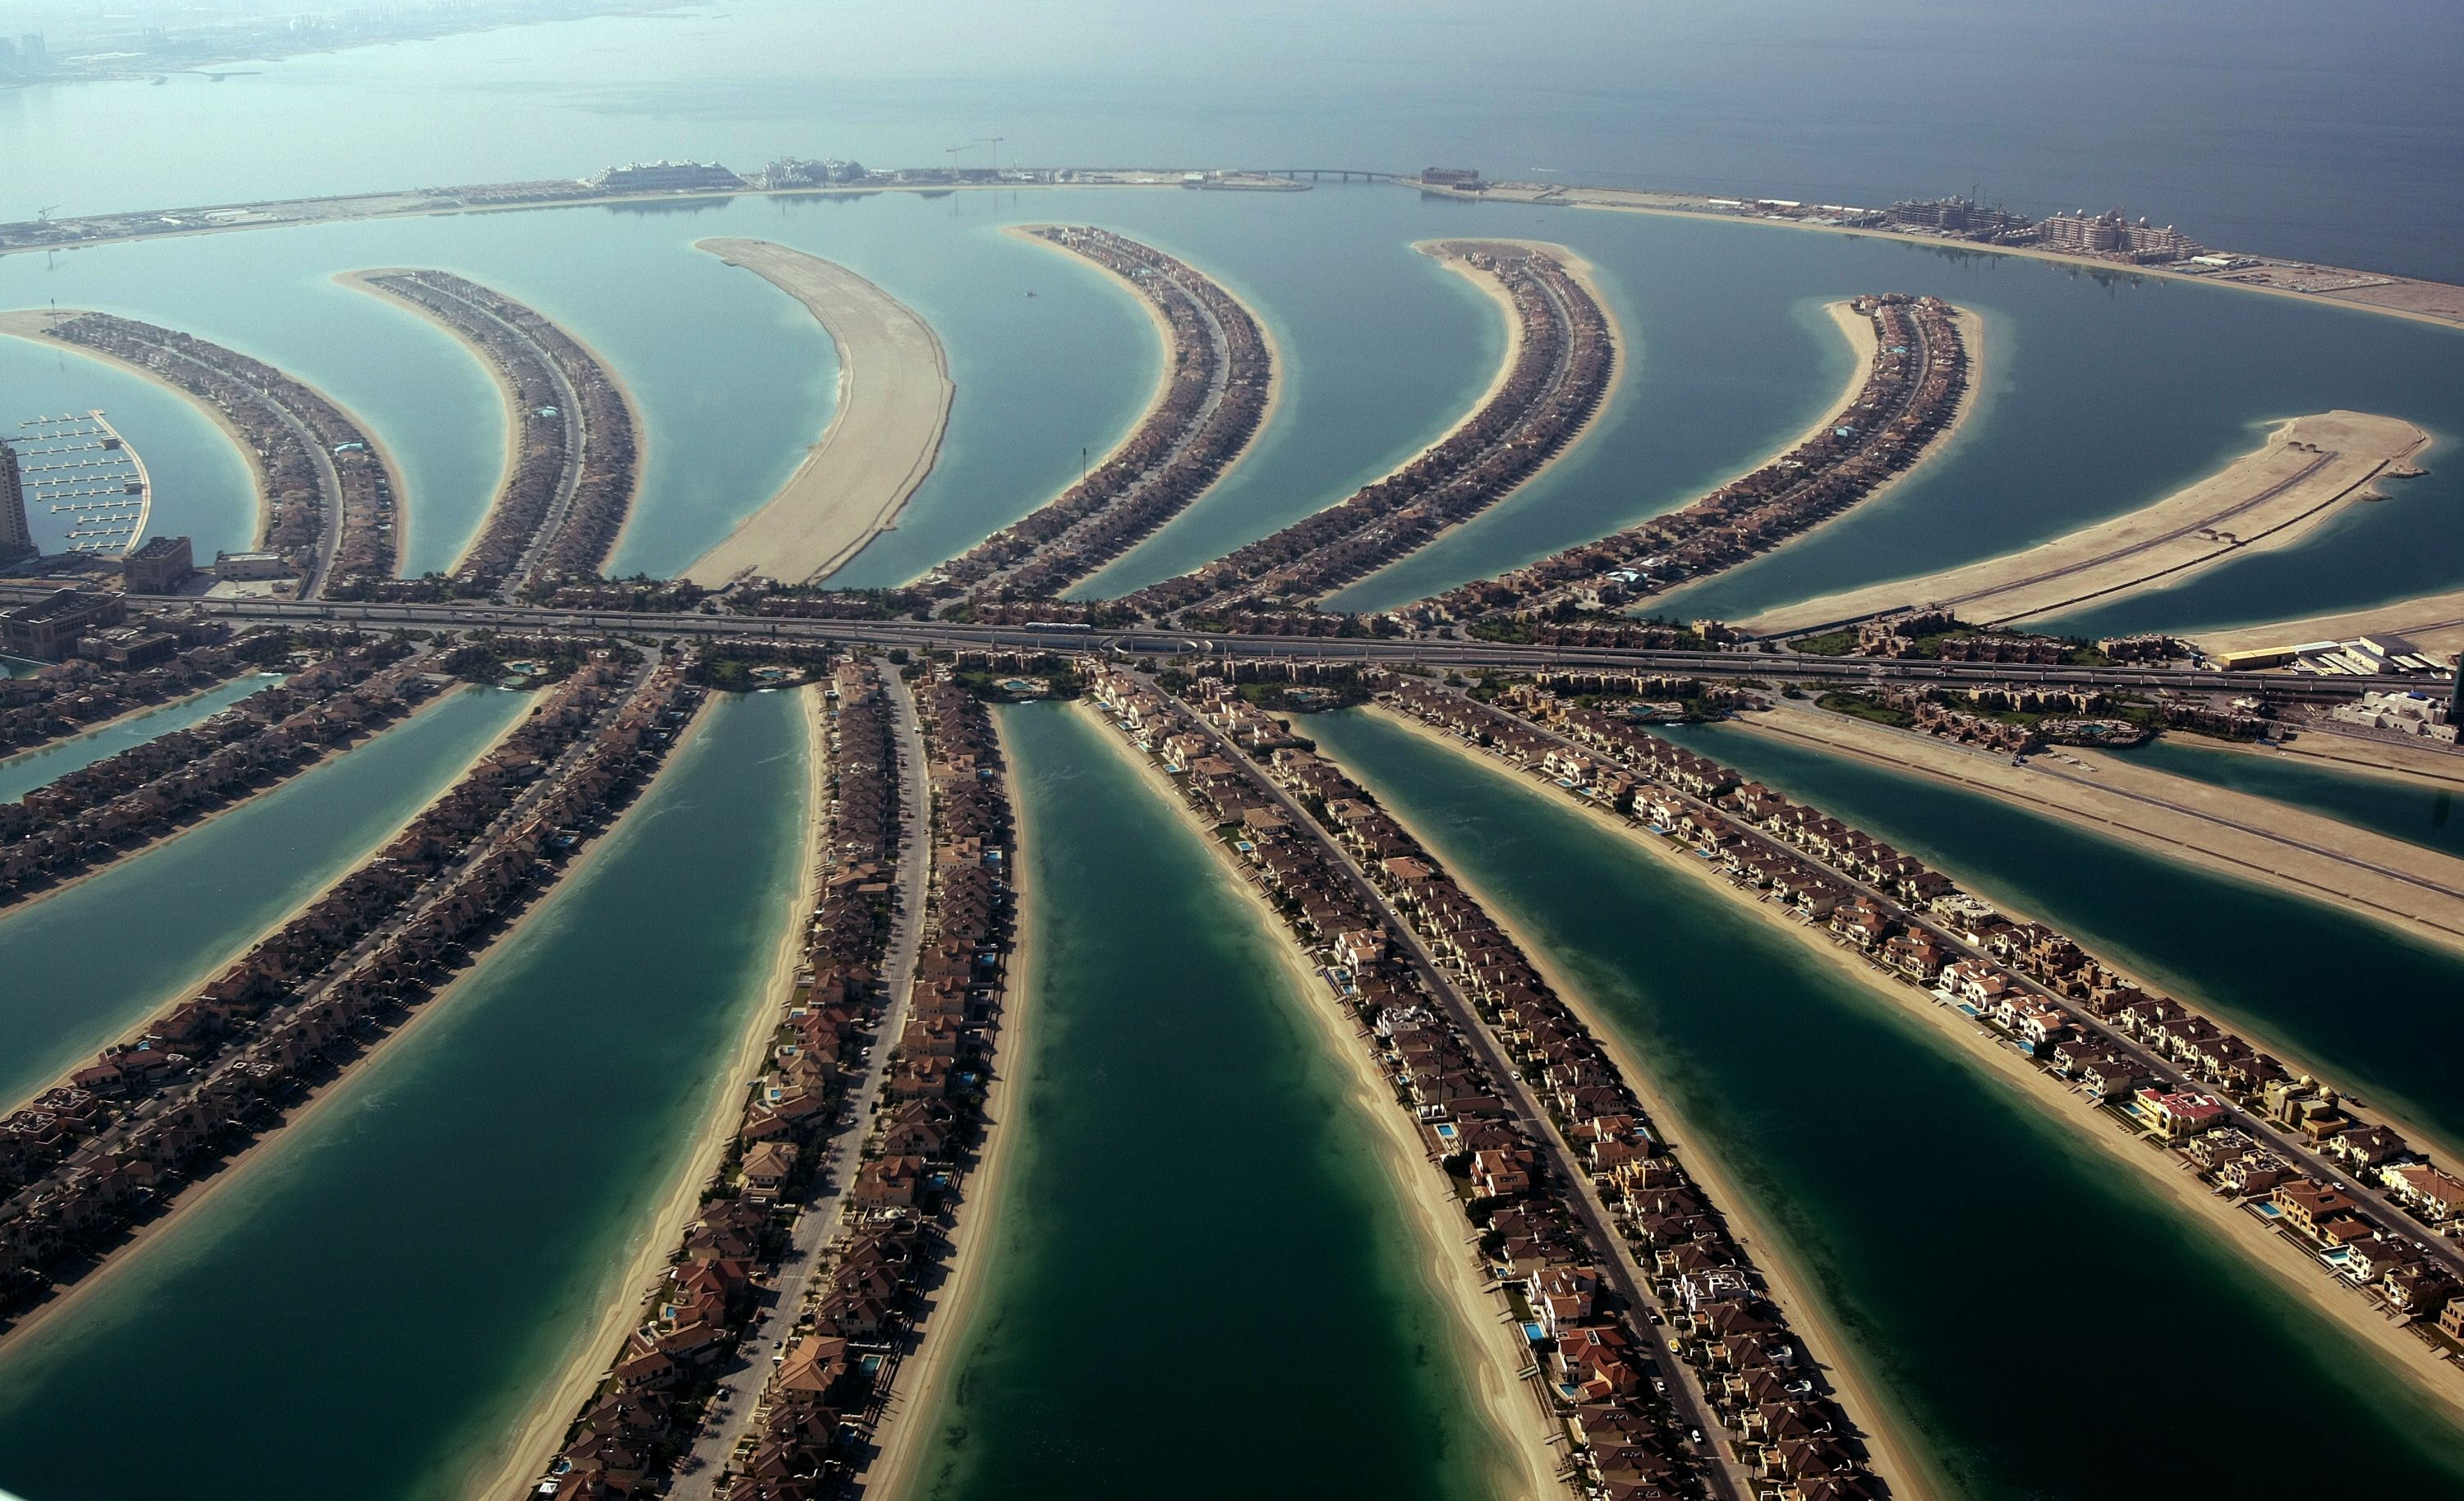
(2293,1172)
(2106,242)
(572,459)
(1913,398)
(884,434)
(109,1152)
(1653,1348)
(1560,364)
(1217,385)
(2301,477)
(330,503)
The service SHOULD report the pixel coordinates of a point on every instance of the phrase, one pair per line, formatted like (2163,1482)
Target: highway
(1157,641)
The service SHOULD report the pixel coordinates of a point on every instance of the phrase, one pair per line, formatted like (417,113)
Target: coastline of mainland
(2290,1269)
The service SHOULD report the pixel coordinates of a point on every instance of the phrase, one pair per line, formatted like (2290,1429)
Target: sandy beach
(1488,1348)
(2233,834)
(2432,622)
(913,1405)
(884,434)
(358,858)
(2291,1268)
(1899,1453)
(29,323)
(542,1426)
(2386,760)
(2272,497)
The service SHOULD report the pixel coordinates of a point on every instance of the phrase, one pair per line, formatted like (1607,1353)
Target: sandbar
(884,434)
(2306,472)
(2293,1271)
(2433,622)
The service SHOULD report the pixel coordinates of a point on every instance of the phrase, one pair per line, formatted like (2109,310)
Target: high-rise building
(17,539)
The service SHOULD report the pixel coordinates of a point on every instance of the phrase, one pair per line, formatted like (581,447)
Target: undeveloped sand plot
(894,395)
(2304,475)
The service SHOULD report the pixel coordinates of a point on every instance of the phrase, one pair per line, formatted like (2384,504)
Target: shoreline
(1620,356)
(2296,1274)
(1971,333)
(1483,1358)
(359,281)
(126,858)
(556,1403)
(2407,884)
(1164,336)
(2255,1028)
(237,1169)
(905,1425)
(2104,561)
(29,323)
(2440,626)
(128,716)
(779,528)
(1891,1433)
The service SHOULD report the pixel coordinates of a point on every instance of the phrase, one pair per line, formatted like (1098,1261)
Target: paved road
(1723,1475)
(731,1414)
(1158,642)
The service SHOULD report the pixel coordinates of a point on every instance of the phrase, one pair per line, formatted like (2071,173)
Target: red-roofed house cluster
(2270,1141)
(1535,1148)
(111,1146)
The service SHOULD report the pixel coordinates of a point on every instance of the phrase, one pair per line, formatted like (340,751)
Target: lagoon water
(2399,807)
(1997,1274)
(1197,1227)
(2101,391)
(2368,1005)
(369,1305)
(24,772)
(86,965)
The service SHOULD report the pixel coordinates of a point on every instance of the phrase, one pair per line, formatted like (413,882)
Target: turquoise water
(2415,812)
(87,965)
(2101,391)
(2366,1005)
(1196,1217)
(368,1305)
(1925,1198)
(22,773)
(202,488)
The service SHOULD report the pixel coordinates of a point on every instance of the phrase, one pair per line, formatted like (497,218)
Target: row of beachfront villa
(1531,1120)
(111,1145)
(2259,1134)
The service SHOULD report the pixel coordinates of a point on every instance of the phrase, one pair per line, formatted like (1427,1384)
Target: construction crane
(995,141)
(43,215)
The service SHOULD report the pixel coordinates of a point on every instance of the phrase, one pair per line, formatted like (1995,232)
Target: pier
(82,468)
